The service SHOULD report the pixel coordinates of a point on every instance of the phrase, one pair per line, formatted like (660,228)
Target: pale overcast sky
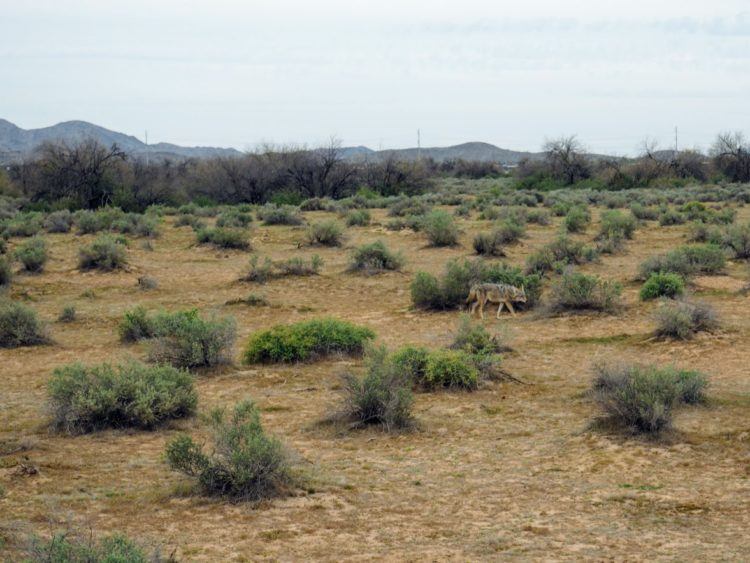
(237,73)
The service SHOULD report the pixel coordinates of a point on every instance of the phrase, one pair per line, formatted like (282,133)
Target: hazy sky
(233,73)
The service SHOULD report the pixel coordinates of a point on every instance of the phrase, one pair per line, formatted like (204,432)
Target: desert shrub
(488,244)
(325,233)
(136,224)
(136,324)
(80,548)
(410,362)
(58,221)
(683,319)
(259,272)
(253,300)
(192,342)
(576,219)
(313,204)
(22,225)
(644,213)
(88,398)
(358,217)
(146,283)
(473,338)
(189,221)
(90,222)
(616,224)
(6,272)
(440,228)
(642,398)
(298,266)
(306,340)
(234,218)
(576,292)
(539,216)
(463,210)
(686,260)
(32,254)
(382,396)
(272,214)
(670,217)
(105,253)
(245,463)
(562,252)
(375,257)
(224,238)
(663,284)
(413,222)
(489,213)
(737,240)
(67,315)
(508,231)
(19,326)
(699,231)
(450,291)
(450,368)
(408,206)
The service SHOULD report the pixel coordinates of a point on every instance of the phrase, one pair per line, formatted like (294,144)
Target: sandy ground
(510,471)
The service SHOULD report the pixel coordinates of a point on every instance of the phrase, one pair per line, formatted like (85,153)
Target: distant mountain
(16,143)
(476,151)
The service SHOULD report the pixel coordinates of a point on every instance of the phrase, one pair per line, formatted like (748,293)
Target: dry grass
(507,471)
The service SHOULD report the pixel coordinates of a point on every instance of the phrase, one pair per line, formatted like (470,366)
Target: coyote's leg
(500,308)
(510,308)
(473,308)
(482,303)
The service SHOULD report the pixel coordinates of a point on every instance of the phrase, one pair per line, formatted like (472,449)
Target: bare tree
(731,156)
(566,160)
(321,172)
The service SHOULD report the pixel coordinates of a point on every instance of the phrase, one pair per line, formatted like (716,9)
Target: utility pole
(419,145)
(146,147)
(675,139)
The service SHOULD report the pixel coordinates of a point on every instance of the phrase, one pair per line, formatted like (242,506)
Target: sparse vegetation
(272,214)
(32,254)
(686,260)
(580,292)
(84,548)
(358,218)
(224,238)
(440,228)
(374,258)
(683,319)
(67,315)
(20,326)
(325,233)
(661,284)
(106,253)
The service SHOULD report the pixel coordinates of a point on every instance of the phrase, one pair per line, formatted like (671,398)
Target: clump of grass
(32,254)
(374,258)
(683,319)
(580,292)
(325,233)
(686,260)
(67,315)
(106,253)
(88,398)
(305,341)
(272,214)
(440,228)
(358,218)
(224,238)
(663,284)
(245,463)
(253,300)
(79,548)
(20,326)
(382,396)
(576,219)
(643,398)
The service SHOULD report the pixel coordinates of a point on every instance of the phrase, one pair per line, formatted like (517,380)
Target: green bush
(616,224)
(297,266)
(192,342)
(488,244)
(699,231)
(440,228)
(19,326)
(83,548)
(562,252)
(224,238)
(407,207)
(88,398)
(358,218)
(508,231)
(682,319)
(450,291)
(663,284)
(642,398)
(644,213)
(576,220)
(382,396)
(32,254)
(67,315)
(245,463)
(106,253)
(59,221)
(306,340)
(23,225)
(576,292)
(737,240)
(325,233)
(686,260)
(375,257)
(410,362)
(272,214)
(451,368)
(473,338)
(671,217)
(539,217)
(233,218)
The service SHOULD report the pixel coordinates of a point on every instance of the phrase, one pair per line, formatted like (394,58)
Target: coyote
(505,294)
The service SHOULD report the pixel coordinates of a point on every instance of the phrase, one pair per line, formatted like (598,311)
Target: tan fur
(501,293)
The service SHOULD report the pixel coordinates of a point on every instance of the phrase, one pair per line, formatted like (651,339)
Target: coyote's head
(519,295)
